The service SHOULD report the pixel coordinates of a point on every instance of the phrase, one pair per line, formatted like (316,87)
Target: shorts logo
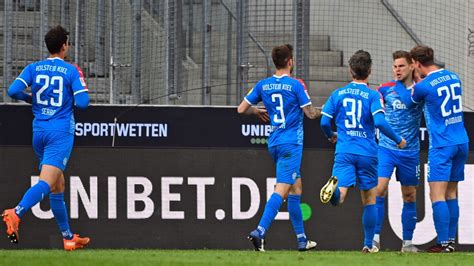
(293,176)
(65,161)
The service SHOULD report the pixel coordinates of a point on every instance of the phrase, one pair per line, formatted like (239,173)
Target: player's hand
(402,144)
(262,114)
(333,139)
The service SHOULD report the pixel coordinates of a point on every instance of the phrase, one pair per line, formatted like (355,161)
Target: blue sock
(453,207)
(409,220)
(271,210)
(58,207)
(369,219)
(335,197)
(380,204)
(296,217)
(441,220)
(32,196)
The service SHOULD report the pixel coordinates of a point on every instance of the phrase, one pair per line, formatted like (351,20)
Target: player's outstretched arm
(247,109)
(312,112)
(381,123)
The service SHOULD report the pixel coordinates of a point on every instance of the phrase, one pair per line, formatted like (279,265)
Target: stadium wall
(192,178)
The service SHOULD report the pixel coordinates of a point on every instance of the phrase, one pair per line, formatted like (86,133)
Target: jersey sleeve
(78,83)
(254,95)
(26,77)
(302,94)
(418,93)
(329,108)
(376,103)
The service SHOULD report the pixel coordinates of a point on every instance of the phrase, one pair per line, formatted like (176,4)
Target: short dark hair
(423,54)
(281,55)
(55,38)
(360,64)
(402,54)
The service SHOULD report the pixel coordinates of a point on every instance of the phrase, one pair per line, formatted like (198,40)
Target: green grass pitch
(226,257)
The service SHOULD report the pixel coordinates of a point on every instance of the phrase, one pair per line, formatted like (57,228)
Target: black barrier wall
(207,193)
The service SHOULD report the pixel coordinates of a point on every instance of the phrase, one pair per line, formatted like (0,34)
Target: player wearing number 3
(286,99)
(357,110)
(56,87)
(441,92)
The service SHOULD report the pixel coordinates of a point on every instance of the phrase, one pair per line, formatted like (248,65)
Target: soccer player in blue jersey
(405,122)
(285,99)
(357,110)
(56,87)
(441,92)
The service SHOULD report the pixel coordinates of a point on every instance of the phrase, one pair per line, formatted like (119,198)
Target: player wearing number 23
(56,87)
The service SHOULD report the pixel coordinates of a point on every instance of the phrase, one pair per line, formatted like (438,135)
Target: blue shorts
(288,161)
(352,169)
(446,164)
(407,164)
(53,148)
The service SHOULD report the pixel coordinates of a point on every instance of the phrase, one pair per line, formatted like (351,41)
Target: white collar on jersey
(52,58)
(361,83)
(434,71)
(279,77)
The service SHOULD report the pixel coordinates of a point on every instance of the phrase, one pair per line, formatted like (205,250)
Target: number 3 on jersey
(353,112)
(277,98)
(45,79)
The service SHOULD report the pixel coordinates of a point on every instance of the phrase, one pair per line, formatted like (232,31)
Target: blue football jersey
(53,85)
(283,98)
(441,93)
(404,120)
(352,107)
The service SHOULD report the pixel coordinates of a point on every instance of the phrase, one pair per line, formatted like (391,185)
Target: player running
(286,99)
(405,122)
(441,92)
(56,88)
(357,110)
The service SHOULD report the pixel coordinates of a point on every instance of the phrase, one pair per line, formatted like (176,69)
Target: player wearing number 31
(56,86)
(441,92)
(357,110)
(286,99)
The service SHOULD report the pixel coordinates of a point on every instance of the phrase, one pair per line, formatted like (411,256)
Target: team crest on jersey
(83,82)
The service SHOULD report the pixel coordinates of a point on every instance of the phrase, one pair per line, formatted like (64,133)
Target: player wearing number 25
(286,99)
(357,110)
(56,87)
(441,92)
